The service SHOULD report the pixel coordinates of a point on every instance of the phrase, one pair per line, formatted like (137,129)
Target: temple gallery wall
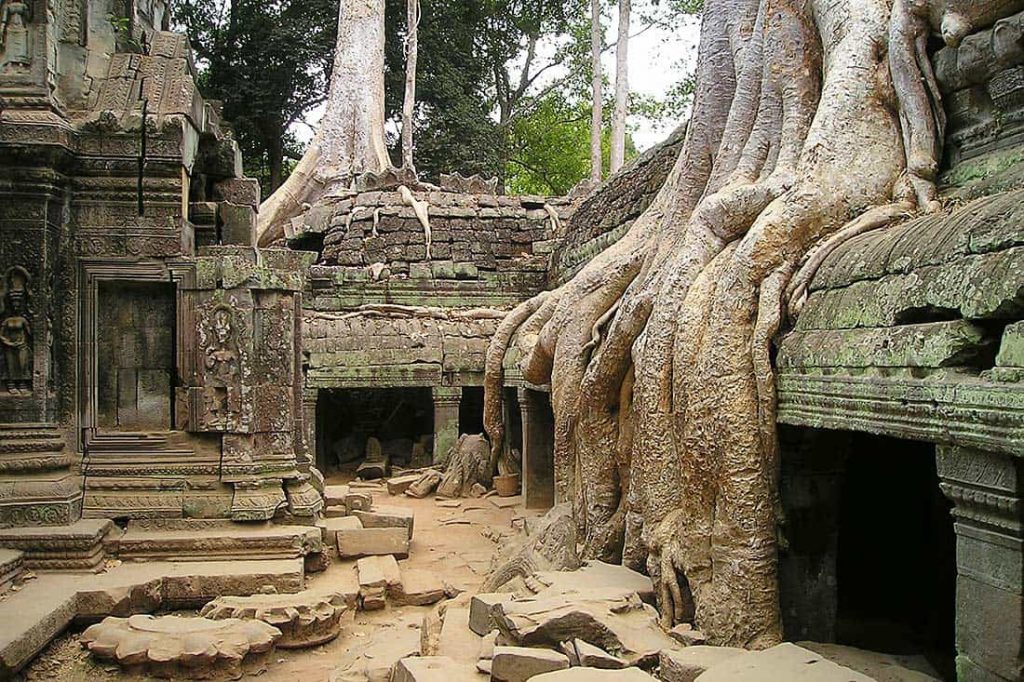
(172,396)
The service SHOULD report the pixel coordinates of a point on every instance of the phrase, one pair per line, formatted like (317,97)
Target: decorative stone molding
(305,619)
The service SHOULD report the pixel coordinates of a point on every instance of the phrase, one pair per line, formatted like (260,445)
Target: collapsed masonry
(159,371)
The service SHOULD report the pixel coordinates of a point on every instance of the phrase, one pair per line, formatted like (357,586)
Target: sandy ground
(452,542)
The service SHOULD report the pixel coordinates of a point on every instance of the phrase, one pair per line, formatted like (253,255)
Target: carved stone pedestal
(37,486)
(986,489)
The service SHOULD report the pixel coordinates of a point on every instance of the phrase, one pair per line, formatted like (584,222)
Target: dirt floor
(454,542)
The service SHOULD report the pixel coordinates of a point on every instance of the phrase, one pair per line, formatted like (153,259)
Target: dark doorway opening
(896,565)
(400,419)
(471,410)
(135,355)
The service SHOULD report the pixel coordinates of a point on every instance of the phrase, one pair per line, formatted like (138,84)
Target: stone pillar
(447,400)
(307,453)
(538,449)
(986,489)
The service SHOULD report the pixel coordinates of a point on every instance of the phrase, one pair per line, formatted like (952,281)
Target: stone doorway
(471,410)
(135,355)
(896,560)
(400,419)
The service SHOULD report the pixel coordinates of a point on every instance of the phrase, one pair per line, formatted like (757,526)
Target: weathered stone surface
(481,620)
(685,665)
(335,495)
(362,542)
(597,575)
(332,524)
(518,664)
(1011,349)
(181,648)
(305,619)
(377,575)
(623,626)
(878,666)
(590,656)
(597,675)
(433,669)
(456,640)
(399,484)
(782,662)
(418,587)
(386,517)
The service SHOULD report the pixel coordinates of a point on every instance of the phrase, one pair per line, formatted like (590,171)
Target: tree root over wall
(658,352)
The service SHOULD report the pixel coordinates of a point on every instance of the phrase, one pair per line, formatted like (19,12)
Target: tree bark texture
(350,139)
(813,121)
(621,111)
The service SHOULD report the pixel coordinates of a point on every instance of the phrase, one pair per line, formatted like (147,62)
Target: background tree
(412,22)
(269,62)
(596,87)
(621,111)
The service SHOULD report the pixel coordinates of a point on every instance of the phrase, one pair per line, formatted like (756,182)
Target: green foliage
(269,62)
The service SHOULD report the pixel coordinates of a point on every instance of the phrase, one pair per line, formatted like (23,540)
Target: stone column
(447,400)
(986,488)
(309,448)
(538,449)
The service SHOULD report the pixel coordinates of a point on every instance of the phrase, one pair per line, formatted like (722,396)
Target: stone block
(590,656)
(597,675)
(418,588)
(356,543)
(1011,349)
(399,484)
(433,669)
(386,517)
(334,495)
(238,225)
(358,501)
(684,665)
(480,620)
(782,662)
(518,664)
(331,525)
(243,191)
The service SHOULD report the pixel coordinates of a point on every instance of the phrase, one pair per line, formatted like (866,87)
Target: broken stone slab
(386,517)
(433,669)
(878,666)
(595,575)
(182,648)
(590,656)
(399,484)
(377,574)
(481,620)
(685,665)
(330,527)
(418,587)
(687,636)
(456,640)
(518,664)
(357,500)
(353,544)
(305,619)
(783,662)
(598,675)
(507,502)
(623,626)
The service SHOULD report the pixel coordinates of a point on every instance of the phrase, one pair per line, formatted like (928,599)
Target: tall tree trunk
(275,162)
(597,112)
(350,140)
(618,154)
(409,106)
(658,352)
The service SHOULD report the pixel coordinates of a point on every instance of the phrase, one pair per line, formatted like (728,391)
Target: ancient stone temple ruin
(191,421)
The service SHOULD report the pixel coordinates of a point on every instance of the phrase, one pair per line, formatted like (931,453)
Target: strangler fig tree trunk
(813,120)
(350,139)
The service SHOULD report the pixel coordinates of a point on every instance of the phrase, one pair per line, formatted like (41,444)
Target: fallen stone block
(597,575)
(687,636)
(433,669)
(358,501)
(518,664)
(622,626)
(305,619)
(330,527)
(334,495)
(418,587)
(182,648)
(590,656)
(481,620)
(386,517)
(685,665)
(507,502)
(399,484)
(878,666)
(377,575)
(353,544)
(783,662)
(456,640)
(598,675)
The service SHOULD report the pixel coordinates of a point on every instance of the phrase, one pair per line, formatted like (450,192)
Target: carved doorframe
(91,272)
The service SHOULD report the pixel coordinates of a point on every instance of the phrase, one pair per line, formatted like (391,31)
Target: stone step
(76,547)
(189,540)
(12,567)
(43,608)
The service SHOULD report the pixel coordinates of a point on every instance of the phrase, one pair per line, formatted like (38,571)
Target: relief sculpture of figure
(16,333)
(14,33)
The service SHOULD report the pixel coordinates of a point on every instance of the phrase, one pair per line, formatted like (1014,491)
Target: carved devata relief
(218,342)
(16,333)
(15,34)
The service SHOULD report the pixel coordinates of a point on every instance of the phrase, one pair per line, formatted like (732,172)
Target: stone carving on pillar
(986,488)
(221,360)
(15,35)
(16,333)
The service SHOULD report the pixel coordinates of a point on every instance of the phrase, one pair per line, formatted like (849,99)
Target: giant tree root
(658,352)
